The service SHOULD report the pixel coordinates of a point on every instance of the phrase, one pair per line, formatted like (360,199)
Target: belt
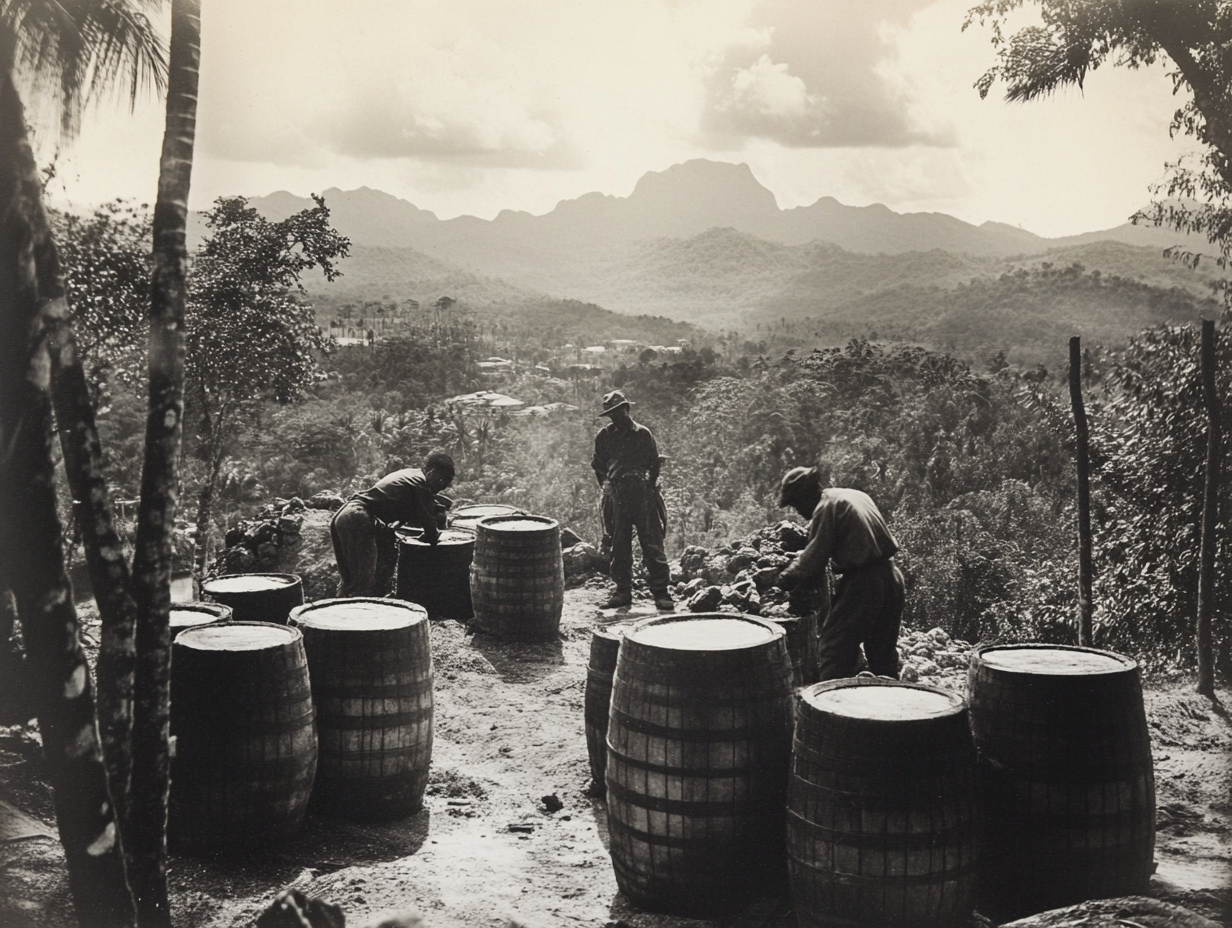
(631,475)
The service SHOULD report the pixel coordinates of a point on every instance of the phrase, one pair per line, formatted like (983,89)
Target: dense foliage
(972,464)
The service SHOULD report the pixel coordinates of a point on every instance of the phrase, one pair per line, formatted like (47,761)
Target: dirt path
(487,849)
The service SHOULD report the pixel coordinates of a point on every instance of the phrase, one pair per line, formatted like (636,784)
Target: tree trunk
(31,547)
(105,559)
(1210,514)
(205,507)
(160,475)
(1085,568)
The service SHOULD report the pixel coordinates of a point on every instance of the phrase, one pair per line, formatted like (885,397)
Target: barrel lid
(450,536)
(358,614)
(714,631)
(237,636)
(189,614)
(881,700)
(247,583)
(407,532)
(1053,660)
(481,510)
(517,522)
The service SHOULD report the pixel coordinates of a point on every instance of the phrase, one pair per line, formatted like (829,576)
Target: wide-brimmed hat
(613,401)
(796,482)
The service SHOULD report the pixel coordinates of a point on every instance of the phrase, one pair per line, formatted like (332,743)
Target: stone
(706,600)
(693,561)
(580,560)
(938,635)
(909,674)
(238,559)
(765,577)
(740,560)
(569,538)
(267,550)
(926,667)
(792,537)
(293,909)
(325,500)
(290,525)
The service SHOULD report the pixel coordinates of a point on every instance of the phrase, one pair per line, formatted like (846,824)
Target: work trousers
(632,503)
(867,609)
(365,549)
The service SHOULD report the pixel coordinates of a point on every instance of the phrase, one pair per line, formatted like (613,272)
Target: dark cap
(796,482)
(613,401)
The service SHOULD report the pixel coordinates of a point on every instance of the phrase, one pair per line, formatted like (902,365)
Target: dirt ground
(488,850)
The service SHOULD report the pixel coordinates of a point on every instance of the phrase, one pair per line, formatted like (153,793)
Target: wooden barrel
(192,614)
(467,517)
(518,577)
(256,597)
(604,646)
(371,666)
(1066,779)
(438,577)
(802,647)
(882,822)
(246,742)
(699,741)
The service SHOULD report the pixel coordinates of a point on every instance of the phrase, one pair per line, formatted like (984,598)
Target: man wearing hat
(364,543)
(626,464)
(847,531)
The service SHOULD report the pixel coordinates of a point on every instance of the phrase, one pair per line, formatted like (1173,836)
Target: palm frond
(74,50)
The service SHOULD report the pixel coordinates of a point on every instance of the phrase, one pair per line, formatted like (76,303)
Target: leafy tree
(1078,36)
(106,260)
(251,335)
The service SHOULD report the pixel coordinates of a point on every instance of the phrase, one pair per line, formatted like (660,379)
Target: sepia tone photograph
(615,464)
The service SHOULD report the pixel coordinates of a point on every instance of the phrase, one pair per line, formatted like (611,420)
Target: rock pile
(287,536)
(740,576)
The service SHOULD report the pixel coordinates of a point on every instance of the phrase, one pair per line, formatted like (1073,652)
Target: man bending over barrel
(847,529)
(362,530)
(626,464)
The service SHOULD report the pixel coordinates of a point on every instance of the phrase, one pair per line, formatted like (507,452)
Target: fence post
(1085,569)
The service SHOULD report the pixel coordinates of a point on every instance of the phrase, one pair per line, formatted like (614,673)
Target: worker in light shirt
(847,532)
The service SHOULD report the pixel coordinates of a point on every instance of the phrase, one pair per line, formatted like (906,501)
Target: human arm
(809,567)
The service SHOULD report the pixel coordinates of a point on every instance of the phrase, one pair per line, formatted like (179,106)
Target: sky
(469,107)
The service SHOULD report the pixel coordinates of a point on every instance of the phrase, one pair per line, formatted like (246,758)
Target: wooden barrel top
(247,583)
(1054,660)
(886,701)
(705,632)
(186,615)
(483,510)
(450,536)
(237,636)
(517,523)
(358,614)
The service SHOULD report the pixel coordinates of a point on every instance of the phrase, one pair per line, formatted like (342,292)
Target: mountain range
(704,242)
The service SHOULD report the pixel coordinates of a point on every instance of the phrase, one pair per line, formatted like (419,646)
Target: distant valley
(703,242)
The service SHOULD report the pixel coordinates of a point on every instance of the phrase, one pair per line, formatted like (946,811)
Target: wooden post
(1210,514)
(1085,569)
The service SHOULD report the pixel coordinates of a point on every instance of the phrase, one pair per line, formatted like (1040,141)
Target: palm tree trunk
(31,549)
(104,550)
(160,475)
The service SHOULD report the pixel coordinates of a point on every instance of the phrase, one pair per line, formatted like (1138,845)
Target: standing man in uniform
(847,530)
(362,530)
(626,464)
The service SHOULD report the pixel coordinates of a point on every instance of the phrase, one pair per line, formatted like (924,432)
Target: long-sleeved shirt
(619,452)
(848,528)
(403,496)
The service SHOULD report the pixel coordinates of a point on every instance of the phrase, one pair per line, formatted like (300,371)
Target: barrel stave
(881,818)
(1067,780)
(696,772)
(246,746)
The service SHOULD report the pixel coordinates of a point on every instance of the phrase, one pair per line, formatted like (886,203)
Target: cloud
(301,84)
(815,75)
